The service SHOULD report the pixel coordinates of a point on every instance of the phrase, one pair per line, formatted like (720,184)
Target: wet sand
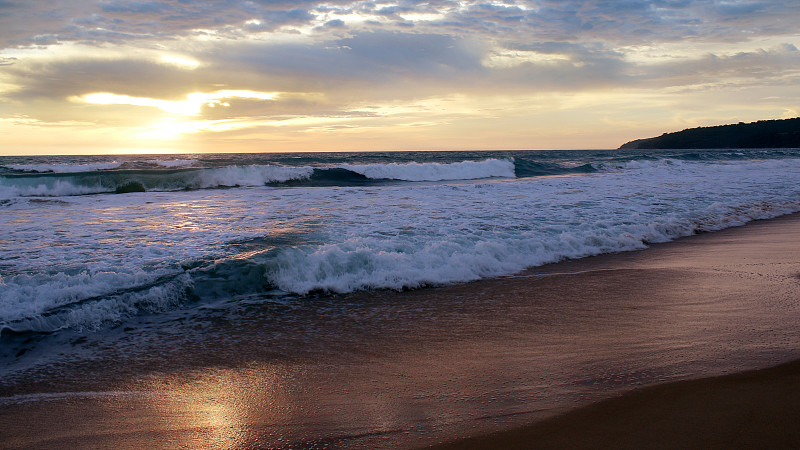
(756,409)
(411,369)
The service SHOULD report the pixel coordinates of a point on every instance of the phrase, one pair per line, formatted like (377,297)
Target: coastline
(410,369)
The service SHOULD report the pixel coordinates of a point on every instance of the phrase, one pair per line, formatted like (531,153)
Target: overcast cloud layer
(270,75)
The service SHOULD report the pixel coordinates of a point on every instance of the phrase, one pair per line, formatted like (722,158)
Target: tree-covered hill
(762,134)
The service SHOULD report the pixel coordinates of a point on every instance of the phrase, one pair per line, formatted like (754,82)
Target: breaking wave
(89,261)
(80,179)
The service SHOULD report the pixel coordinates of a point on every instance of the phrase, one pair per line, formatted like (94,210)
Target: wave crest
(464,170)
(68,180)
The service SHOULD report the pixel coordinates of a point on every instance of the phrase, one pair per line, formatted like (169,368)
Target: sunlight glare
(180,61)
(190,107)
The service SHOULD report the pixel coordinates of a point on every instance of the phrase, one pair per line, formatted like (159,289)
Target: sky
(181,76)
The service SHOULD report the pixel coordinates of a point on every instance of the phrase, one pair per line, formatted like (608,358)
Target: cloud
(340,58)
(130,7)
(190,106)
(621,22)
(378,66)
(107,21)
(287,17)
(404,53)
(625,22)
(369,63)
(334,24)
(765,66)
(80,75)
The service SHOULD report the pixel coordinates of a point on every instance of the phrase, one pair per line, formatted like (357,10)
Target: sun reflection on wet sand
(219,407)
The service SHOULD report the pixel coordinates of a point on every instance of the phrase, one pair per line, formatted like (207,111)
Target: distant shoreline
(762,134)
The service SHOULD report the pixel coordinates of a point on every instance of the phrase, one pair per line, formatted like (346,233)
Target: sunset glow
(129,76)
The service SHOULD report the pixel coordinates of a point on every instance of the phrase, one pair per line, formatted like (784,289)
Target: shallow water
(386,369)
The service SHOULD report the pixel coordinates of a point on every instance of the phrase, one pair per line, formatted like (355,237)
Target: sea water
(90,242)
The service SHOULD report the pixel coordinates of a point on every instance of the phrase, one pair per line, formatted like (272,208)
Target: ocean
(94,243)
(325,300)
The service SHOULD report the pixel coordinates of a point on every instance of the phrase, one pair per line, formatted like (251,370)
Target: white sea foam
(65,168)
(76,168)
(88,299)
(45,188)
(453,234)
(250,175)
(174,164)
(122,252)
(465,170)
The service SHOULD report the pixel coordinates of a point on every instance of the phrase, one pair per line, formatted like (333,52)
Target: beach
(399,225)
(410,369)
(756,409)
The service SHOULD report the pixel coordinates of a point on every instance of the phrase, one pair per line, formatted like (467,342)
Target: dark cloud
(98,22)
(129,7)
(271,20)
(619,22)
(627,22)
(573,68)
(22,22)
(711,68)
(362,61)
(336,23)
(6,6)
(413,53)
(78,76)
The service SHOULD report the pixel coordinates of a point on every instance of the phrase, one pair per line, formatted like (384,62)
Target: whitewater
(88,243)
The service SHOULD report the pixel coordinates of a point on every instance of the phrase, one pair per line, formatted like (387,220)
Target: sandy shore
(756,409)
(412,369)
